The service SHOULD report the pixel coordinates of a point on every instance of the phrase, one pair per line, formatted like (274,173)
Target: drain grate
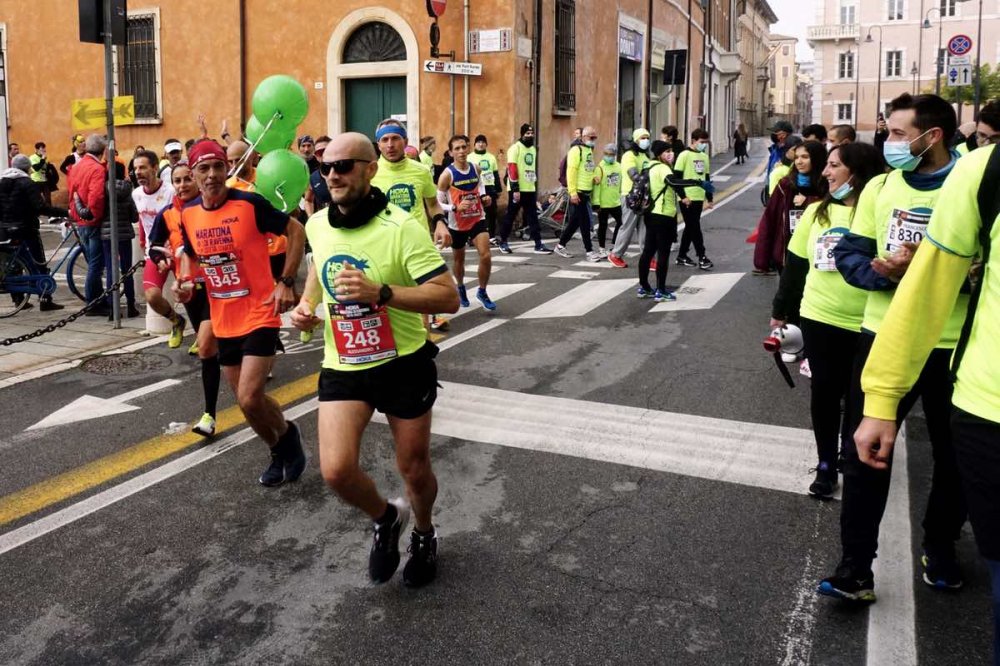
(125,364)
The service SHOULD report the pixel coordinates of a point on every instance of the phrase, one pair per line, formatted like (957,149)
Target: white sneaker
(205,426)
(562,251)
(603,252)
(789,358)
(594,256)
(804,369)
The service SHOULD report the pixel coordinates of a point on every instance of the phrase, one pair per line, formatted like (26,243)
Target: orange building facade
(557,64)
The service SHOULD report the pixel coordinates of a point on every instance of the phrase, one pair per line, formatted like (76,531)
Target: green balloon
(275,138)
(281,96)
(282,179)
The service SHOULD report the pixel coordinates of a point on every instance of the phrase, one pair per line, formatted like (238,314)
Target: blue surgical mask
(644,144)
(898,155)
(802,179)
(703,147)
(843,191)
(589,143)
(609,158)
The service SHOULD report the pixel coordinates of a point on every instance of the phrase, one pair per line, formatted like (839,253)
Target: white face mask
(829,146)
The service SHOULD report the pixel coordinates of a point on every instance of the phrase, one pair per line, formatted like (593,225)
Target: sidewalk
(84,337)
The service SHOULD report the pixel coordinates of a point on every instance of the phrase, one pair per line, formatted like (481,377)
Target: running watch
(384,295)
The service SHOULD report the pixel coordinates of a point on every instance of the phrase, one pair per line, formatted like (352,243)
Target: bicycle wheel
(76,269)
(11,266)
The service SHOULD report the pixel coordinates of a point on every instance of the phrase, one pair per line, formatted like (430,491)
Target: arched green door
(369,100)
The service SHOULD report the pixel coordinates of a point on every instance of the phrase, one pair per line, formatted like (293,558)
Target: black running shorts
(261,342)
(405,387)
(459,239)
(197,308)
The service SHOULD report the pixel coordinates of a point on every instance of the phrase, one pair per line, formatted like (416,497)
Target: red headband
(206,150)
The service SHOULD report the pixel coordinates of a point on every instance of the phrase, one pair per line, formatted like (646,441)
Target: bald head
(235,152)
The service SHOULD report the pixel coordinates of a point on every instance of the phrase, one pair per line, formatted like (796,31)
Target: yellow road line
(743,183)
(58,488)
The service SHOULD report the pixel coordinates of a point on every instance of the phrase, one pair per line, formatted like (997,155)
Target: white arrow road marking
(700,292)
(574,275)
(89,407)
(580,300)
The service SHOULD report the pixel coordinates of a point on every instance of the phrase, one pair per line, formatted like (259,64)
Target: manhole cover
(125,364)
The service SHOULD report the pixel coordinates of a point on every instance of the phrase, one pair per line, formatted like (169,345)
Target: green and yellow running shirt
(395,249)
(926,298)
(632,160)
(693,165)
(526,160)
(486,164)
(427,161)
(827,297)
(580,169)
(406,184)
(665,203)
(777,173)
(892,213)
(607,191)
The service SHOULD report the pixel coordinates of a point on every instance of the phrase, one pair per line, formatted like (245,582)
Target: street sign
(490,41)
(91,113)
(458,68)
(959,60)
(959,45)
(435,8)
(960,75)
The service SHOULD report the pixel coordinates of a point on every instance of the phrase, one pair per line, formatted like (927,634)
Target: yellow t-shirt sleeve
(572,168)
(912,327)
(864,212)
(420,258)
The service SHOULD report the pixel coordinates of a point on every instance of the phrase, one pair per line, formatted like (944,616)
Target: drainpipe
(648,69)
(243,64)
(687,86)
(537,57)
(468,79)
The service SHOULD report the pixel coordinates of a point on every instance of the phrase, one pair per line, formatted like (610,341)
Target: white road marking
(892,621)
(580,300)
(721,179)
(496,292)
(142,344)
(510,259)
(453,340)
(700,292)
(88,407)
(735,195)
(574,275)
(41,372)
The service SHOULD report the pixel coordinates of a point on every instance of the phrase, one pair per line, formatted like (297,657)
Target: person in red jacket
(88,189)
(803,186)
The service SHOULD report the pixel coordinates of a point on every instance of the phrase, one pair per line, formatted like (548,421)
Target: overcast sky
(793,17)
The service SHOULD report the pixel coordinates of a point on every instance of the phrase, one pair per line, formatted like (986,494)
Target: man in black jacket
(20,205)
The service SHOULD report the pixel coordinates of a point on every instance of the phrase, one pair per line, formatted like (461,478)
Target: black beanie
(658,148)
(525,128)
(482,137)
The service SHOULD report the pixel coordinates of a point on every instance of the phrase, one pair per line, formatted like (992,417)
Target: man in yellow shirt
(924,300)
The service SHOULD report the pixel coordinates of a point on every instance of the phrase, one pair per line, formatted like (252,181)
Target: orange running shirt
(230,244)
(275,244)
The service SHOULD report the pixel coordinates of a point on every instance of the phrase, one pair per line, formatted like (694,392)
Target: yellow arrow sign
(91,113)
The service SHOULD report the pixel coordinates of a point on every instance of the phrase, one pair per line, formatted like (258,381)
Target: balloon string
(246,156)
(277,193)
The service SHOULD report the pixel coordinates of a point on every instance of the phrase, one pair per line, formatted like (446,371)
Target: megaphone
(788,339)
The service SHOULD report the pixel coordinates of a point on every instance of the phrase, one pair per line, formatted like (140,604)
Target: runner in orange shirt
(225,231)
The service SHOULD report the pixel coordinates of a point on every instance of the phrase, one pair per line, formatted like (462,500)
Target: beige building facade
(784,78)
(753,29)
(901,55)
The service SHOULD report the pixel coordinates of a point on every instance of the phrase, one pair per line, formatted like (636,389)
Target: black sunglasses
(339,167)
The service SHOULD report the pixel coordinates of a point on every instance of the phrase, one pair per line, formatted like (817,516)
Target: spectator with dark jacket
(88,196)
(127,216)
(78,152)
(20,205)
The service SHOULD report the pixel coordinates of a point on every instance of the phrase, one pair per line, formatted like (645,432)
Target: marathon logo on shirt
(403,195)
(210,240)
(339,262)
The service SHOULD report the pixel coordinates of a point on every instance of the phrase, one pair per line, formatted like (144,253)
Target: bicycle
(20,278)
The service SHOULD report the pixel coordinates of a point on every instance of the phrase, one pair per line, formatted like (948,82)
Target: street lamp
(938,58)
(878,87)
(913,73)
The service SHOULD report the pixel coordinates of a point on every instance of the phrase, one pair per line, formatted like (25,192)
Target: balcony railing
(833,31)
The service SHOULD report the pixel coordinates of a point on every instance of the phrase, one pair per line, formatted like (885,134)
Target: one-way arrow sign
(89,407)
(90,113)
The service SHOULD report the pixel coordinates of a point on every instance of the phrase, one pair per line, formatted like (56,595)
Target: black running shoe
(705,264)
(684,260)
(292,453)
(274,475)
(383,560)
(941,570)
(421,568)
(826,481)
(849,582)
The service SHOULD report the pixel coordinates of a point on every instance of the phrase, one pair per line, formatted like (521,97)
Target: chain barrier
(76,315)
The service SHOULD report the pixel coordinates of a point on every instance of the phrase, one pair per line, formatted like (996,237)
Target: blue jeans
(124,263)
(90,238)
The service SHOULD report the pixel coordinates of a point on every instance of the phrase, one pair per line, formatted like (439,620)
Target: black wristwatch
(287,280)
(384,295)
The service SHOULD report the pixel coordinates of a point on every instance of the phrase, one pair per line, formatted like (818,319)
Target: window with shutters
(893,63)
(845,65)
(565,74)
(845,112)
(947,7)
(895,12)
(137,66)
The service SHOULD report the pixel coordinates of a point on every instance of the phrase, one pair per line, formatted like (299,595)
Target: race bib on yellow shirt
(823,253)
(905,226)
(794,215)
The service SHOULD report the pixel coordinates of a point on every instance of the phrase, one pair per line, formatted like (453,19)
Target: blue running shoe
(505,249)
(543,249)
(463,298)
(485,300)
(642,292)
(661,296)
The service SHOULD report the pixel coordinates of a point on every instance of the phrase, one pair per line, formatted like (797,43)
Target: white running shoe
(562,251)
(205,426)
(594,256)
(603,252)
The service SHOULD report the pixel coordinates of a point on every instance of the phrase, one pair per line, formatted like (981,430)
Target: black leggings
(830,351)
(602,224)
(661,232)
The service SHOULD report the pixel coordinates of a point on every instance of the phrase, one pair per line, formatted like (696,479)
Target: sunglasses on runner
(339,167)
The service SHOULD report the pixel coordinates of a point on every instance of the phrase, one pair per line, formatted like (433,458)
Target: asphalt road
(617,486)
